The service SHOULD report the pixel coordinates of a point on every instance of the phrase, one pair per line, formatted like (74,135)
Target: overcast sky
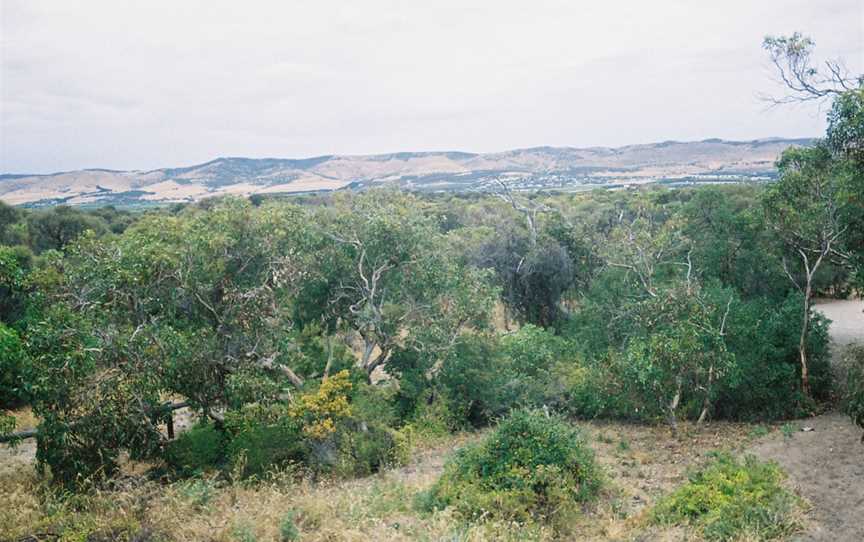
(140,85)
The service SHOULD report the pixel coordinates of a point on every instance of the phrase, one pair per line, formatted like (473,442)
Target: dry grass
(641,464)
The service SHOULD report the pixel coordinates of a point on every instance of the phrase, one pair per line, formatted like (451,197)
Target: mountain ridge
(550,167)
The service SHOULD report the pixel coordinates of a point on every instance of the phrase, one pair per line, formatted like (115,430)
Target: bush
(473,382)
(483,379)
(288,531)
(326,429)
(532,466)
(200,448)
(767,385)
(13,368)
(851,384)
(262,438)
(732,500)
(366,449)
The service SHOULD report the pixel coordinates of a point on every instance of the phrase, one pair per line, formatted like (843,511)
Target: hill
(561,168)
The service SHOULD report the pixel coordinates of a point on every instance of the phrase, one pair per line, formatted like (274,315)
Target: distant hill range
(549,168)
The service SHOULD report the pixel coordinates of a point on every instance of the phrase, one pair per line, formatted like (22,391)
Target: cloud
(138,85)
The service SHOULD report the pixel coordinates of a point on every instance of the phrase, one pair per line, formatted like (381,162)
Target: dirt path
(826,464)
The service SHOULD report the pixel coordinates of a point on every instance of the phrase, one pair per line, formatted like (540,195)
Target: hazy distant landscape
(544,168)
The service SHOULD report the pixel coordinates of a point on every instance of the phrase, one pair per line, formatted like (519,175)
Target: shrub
(763,336)
(200,448)
(263,437)
(13,368)
(851,384)
(731,499)
(288,531)
(319,412)
(473,382)
(366,449)
(199,493)
(533,466)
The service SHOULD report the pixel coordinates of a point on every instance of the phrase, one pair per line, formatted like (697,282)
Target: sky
(141,85)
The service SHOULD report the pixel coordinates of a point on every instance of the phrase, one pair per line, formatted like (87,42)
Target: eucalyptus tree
(385,273)
(196,305)
(805,209)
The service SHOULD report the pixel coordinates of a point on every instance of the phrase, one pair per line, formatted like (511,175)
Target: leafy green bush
(473,382)
(261,438)
(200,448)
(763,335)
(199,493)
(288,531)
(731,499)
(13,368)
(533,466)
(851,384)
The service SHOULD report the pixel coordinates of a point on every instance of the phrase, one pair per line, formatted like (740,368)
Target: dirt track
(826,464)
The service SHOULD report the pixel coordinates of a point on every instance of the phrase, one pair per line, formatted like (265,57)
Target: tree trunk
(706,402)
(329,344)
(673,408)
(802,345)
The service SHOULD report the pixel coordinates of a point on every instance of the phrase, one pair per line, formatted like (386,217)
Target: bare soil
(826,464)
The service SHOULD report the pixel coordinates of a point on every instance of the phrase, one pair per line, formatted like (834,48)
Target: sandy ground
(826,465)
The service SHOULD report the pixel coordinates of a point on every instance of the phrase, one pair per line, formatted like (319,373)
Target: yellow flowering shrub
(319,411)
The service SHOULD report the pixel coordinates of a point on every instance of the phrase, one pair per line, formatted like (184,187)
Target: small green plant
(788,430)
(533,466)
(243,532)
(288,531)
(758,431)
(623,445)
(732,500)
(199,493)
(196,450)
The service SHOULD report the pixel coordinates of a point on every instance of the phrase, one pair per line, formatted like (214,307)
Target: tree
(383,271)
(54,228)
(805,210)
(792,59)
(196,305)
(810,206)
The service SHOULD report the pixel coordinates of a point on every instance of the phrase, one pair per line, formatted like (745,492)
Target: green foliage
(732,500)
(200,448)
(851,384)
(763,336)
(198,492)
(241,310)
(532,466)
(14,368)
(262,439)
(54,228)
(243,532)
(288,531)
(845,134)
